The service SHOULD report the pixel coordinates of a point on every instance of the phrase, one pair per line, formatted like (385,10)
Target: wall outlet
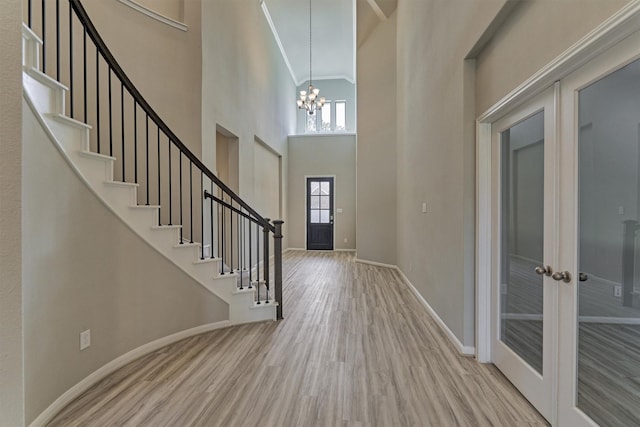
(85,339)
(617,291)
(345,240)
(424,207)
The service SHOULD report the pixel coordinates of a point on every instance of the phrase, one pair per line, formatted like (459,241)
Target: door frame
(607,34)
(306,208)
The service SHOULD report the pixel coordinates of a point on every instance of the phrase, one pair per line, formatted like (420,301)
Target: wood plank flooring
(356,348)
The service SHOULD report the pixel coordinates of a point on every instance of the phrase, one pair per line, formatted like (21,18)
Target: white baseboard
(75,391)
(462,349)
(377,264)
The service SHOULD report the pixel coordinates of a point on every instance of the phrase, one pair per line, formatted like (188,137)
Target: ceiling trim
(336,77)
(267,15)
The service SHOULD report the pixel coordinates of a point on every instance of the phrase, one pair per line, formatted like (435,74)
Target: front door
(320,213)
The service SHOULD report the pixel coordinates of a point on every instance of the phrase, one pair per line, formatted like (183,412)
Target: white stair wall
(46,97)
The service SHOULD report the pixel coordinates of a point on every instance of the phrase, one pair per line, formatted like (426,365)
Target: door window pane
(315,188)
(315,216)
(522,209)
(324,202)
(315,202)
(324,217)
(324,188)
(608,385)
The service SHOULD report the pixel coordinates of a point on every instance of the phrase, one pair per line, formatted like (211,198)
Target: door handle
(583,277)
(565,276)
(546,270)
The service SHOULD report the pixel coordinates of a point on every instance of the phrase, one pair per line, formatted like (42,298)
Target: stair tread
(43,78)
(122,184)
(166,227)
(144,207)
(28,33)
(71,121)
(91,154)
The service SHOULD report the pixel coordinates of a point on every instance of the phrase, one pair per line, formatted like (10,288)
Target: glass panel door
(523,146)
(599,346)
(608,383)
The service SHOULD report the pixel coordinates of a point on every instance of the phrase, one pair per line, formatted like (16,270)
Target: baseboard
(74,392)
(377,264)
(463,350)
(344,250)
(294,249)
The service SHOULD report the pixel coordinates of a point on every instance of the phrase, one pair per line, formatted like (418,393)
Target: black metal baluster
(212,201)
(147,153)
(223,242)
(250,265)
(159,202)
(231,237)
(44,39)
(135,141)
(181,222)
(258,261)
(170,213)
(239,245)
(71,62)
(124,165)
(57,39)
(265,260)
(98,97)
(110,117)
(84,71)
(201,217)
(29,13)
(191,195)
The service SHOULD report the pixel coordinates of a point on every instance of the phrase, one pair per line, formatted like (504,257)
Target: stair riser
(48,100)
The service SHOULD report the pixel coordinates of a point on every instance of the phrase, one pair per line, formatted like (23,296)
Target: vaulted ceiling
(335,34)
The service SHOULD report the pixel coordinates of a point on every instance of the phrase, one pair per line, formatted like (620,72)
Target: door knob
(546,270)
(565,276)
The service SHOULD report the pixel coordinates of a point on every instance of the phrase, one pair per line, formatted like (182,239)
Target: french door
(566,244)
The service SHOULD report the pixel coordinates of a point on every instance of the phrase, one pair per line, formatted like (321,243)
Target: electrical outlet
(424,207)
(345,240)
(617,291)
(85,339)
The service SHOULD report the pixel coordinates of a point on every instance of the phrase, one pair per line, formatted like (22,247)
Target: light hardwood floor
(356,348)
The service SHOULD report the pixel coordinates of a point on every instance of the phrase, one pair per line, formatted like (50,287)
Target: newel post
(277,265)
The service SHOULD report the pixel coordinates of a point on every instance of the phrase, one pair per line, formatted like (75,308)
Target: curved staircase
(46,97)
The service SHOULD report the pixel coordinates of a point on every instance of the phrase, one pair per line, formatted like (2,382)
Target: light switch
(339,210)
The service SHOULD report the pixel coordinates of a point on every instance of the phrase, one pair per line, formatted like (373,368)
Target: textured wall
(11,372)
(377,141)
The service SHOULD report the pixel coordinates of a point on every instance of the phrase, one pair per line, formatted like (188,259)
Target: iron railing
(149,153)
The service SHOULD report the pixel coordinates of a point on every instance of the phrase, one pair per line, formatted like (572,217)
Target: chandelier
(309,100)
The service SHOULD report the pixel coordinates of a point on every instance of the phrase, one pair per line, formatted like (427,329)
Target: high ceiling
(334,35)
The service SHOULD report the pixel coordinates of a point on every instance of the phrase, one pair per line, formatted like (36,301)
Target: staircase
(231,258)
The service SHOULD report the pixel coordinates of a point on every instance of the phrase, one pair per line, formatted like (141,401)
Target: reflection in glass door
(608,348)
(522,226)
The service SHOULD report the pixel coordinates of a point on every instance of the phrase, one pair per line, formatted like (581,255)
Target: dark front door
(320,213)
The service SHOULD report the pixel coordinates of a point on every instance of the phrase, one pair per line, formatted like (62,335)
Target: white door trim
(607,34)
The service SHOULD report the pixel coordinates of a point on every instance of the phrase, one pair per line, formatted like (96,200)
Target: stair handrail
(82,15)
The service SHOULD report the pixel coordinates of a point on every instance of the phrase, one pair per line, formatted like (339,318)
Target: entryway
(559,214)
(320,213)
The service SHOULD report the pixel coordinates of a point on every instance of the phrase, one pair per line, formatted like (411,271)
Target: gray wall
(321,155)
(435,156)
(333,90)
(84,269)
(246,87)
(11,327)
(377,129)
